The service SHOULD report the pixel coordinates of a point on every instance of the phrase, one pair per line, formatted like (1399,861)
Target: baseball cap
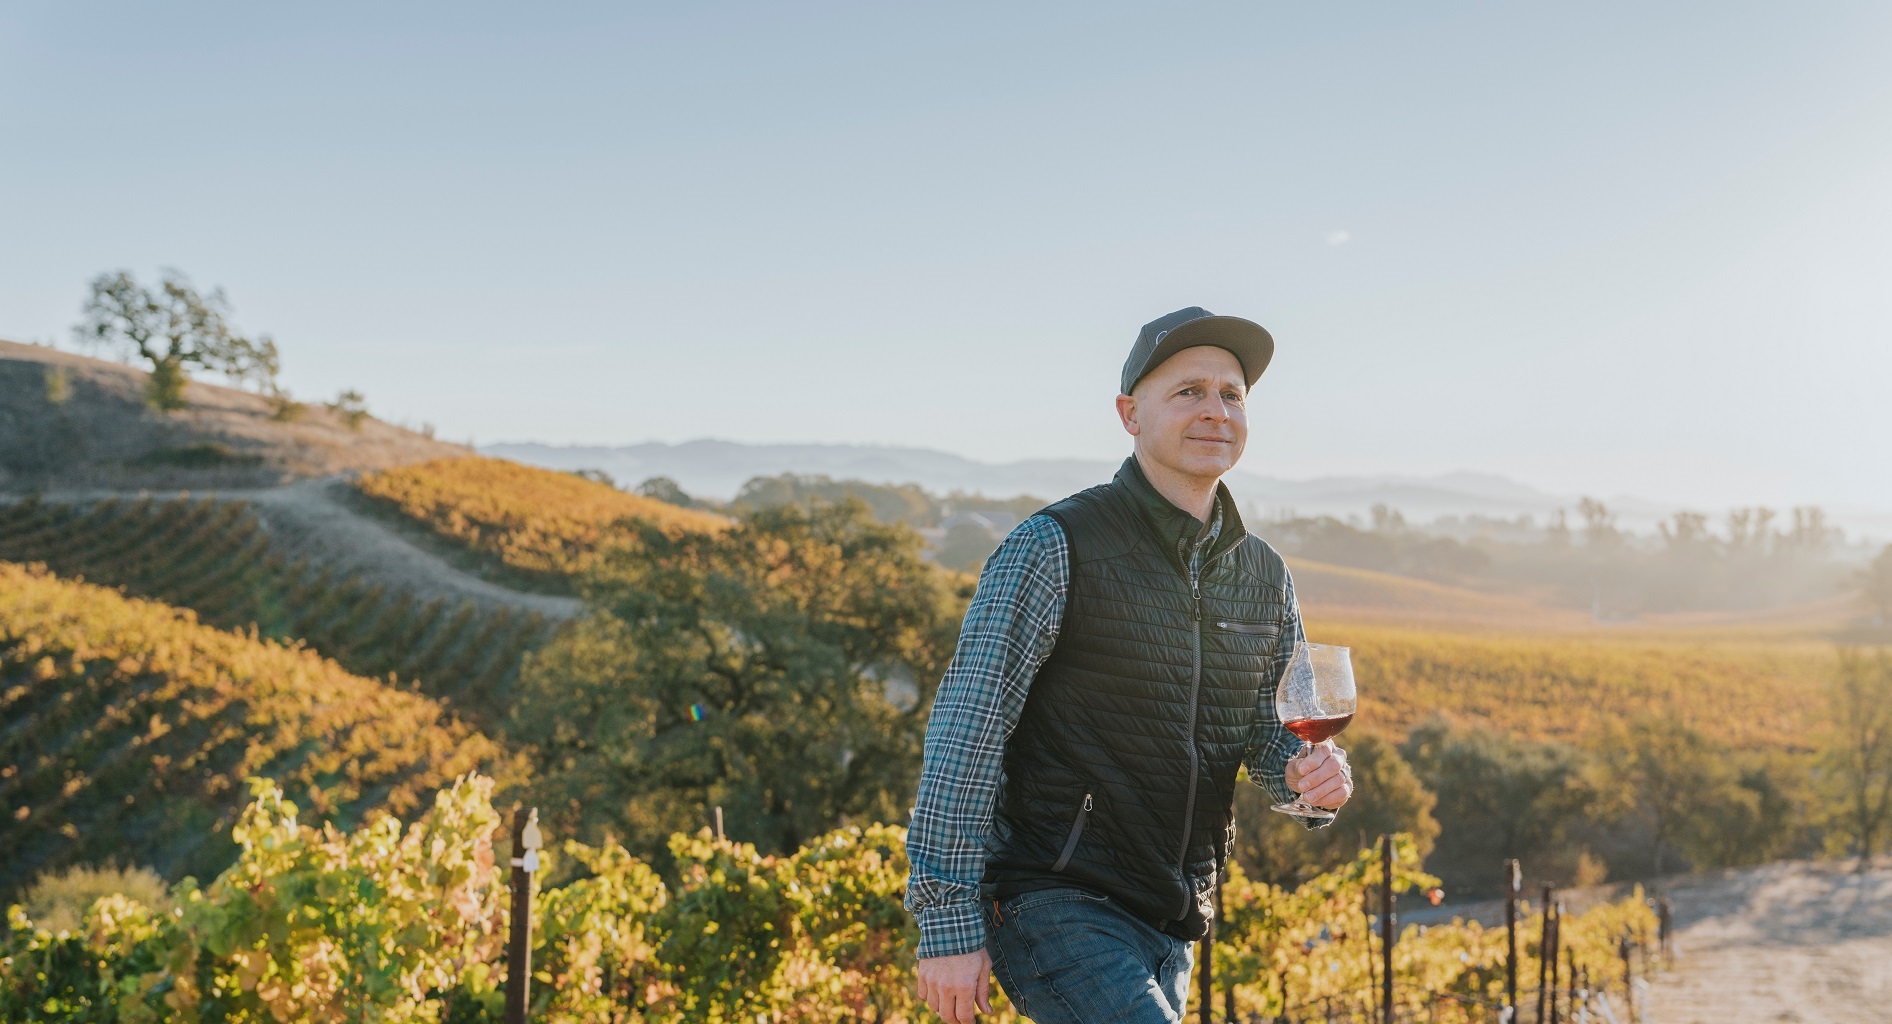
(1167,335)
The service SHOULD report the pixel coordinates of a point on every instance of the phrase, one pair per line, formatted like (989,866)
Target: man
(1115,669)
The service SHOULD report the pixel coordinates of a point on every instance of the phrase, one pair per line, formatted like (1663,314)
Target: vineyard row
(216,558)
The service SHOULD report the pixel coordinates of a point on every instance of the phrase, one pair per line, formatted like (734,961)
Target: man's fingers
(964,1011)
(983,995)
(1320,776)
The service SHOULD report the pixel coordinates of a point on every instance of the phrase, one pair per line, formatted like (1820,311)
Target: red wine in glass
(1313,730)
(1315,700)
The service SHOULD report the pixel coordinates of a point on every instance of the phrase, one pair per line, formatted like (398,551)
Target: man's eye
(1186,391)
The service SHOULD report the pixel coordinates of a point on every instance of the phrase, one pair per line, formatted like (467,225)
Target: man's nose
(1216,411)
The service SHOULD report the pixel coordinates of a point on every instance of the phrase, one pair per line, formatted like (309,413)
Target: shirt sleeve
(1273,745)
(1009,630)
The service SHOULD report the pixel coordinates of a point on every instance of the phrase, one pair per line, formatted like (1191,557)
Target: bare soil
(1784,942)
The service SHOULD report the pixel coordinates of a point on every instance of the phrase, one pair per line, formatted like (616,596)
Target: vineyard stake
(1629,979)
(1366,939)
(1570,969)
(1511,936)
(525,860)
(716,823)
(1665,920)
(1543,947)
(1556,943)
(1387,933)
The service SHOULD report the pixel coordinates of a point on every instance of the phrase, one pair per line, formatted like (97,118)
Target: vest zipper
(1070,841)
(1195,757)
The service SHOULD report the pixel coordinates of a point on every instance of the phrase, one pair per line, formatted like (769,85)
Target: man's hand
(957,987)
(1323,776)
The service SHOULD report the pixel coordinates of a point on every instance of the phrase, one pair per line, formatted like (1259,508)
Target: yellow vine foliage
(1303,951)
(392,923)
(130,725)
(1576,689)
(535,520)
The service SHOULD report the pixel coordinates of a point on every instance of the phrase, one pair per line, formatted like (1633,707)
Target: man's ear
(1127,412)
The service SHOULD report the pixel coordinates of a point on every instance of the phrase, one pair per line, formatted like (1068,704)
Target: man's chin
(1205,467)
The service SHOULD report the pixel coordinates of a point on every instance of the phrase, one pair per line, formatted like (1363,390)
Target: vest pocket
(1249,628)
(1077,830)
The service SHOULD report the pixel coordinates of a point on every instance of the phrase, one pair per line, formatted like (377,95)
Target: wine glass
(1314,700)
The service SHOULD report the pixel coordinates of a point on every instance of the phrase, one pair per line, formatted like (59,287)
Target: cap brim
(1246,340)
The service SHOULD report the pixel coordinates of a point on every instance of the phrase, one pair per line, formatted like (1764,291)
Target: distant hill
(1340,593)
(129,729)
(717,469)
(72,422)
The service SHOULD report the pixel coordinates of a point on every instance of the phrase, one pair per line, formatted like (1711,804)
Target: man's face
(1190,414)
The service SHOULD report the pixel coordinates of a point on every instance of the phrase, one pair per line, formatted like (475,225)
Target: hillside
(529,526)
(1339,593)
(72,422)
(219,559)
(130,727)
(1573,688)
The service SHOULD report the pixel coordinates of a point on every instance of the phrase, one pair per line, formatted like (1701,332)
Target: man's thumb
(982,995)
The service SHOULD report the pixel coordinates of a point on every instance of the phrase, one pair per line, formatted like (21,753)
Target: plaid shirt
(1009,631)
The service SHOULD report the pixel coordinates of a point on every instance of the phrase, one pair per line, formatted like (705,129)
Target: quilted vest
(1120,775)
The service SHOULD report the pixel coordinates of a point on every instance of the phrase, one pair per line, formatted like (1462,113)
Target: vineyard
(386,923)
(130,727)
(215,558)
(1548,687)
(539,525)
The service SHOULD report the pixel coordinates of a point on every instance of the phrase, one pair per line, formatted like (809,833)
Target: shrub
(59,899)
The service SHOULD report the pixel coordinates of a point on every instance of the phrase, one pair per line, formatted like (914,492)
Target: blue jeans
(1067,956)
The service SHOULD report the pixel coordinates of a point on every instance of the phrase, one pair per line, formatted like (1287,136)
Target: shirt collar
(1178,530)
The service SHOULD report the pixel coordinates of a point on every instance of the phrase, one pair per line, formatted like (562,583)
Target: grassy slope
(129,728)
(539,524)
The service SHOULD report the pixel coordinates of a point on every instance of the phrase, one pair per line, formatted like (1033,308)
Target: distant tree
(1499,796)
(173,329)
(1749,530)
(902,503)
(780,669)
(1678,783)
(1875,585)
(351,406)
(966,547)
(1557,533)
(1751,816)
(1859,750)
(596,476)
(1599,524)
(1388,797)
(666,490)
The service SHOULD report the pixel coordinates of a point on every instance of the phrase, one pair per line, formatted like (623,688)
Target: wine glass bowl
(1315,700)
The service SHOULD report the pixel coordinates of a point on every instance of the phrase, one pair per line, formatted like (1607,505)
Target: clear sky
(1600,248)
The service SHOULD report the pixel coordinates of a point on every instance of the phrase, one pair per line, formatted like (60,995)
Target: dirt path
(1784,942)
(308,519)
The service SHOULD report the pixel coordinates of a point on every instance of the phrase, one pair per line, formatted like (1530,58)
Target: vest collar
(1176,529)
